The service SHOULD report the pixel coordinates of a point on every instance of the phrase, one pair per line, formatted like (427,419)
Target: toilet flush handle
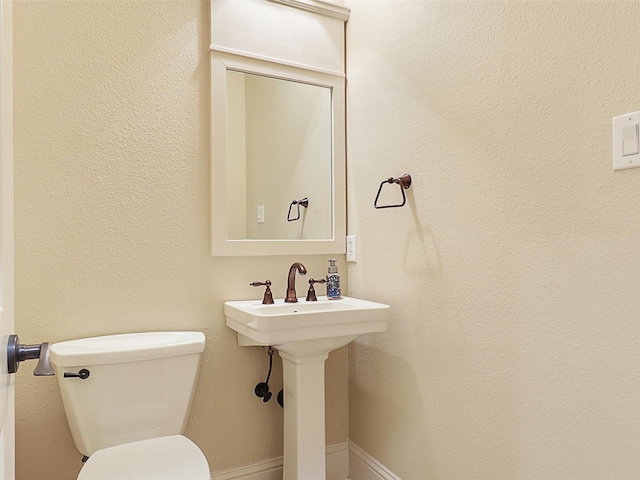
(83,374)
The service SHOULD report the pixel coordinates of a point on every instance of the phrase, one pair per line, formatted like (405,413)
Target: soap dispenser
(333,282)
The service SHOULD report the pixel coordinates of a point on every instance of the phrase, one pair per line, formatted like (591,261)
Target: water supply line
(262,389)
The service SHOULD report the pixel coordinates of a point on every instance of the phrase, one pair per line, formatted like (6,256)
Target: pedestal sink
(304,333)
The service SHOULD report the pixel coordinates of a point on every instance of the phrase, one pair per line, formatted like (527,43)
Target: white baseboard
(363,466)
(338,461)
(271,469)
(345,460)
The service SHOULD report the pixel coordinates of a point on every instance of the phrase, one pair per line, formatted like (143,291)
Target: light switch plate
(352,249)
(625,153)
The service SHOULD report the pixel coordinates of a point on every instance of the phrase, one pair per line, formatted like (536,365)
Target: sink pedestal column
(304,427)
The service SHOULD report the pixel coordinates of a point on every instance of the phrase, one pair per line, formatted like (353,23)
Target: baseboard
(363,466)
(271,469)
(345,460)
(338,461)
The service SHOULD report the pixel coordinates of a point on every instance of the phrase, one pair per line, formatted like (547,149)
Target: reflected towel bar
(404,181)
(304,202)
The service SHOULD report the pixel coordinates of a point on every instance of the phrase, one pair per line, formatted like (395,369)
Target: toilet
(127,398)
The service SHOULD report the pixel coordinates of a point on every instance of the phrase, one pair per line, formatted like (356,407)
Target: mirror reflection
(279,144)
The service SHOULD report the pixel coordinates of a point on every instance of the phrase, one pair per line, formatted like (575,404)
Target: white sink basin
(305,327)
(304,333)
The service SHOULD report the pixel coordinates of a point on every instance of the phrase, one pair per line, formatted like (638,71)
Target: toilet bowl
(127,398)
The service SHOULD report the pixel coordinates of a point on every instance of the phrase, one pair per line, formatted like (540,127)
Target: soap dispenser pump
(333,282)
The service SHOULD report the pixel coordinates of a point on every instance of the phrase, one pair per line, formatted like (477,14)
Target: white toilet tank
(140,386)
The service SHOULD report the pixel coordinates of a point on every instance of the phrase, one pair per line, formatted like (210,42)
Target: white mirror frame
(221,245)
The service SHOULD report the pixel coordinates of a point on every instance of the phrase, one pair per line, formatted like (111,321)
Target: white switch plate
(622,124)
(260,213)
(352,249)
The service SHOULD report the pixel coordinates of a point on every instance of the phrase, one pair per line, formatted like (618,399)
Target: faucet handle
(311,294)
(268,296)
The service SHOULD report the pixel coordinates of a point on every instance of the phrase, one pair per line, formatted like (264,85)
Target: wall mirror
(278,159)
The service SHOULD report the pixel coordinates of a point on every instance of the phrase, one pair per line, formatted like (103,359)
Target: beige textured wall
(112,220)
(513,271)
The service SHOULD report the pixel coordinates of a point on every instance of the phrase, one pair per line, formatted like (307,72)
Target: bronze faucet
(291,282)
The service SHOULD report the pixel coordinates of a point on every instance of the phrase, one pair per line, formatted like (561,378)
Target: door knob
(17,353)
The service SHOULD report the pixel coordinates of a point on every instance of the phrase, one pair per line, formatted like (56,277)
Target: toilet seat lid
(164,458)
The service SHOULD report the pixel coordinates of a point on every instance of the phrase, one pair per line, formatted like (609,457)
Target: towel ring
(404,181)
(304,202)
